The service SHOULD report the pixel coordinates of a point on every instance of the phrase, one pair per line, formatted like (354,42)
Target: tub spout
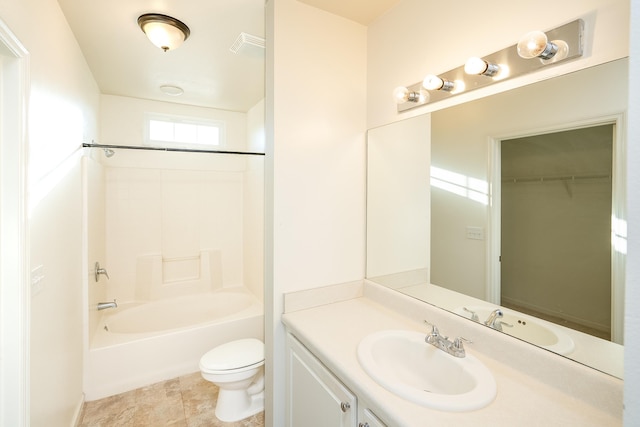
(103,305)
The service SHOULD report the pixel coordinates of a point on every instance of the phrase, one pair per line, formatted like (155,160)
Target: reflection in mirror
(398,200)
(555,201)
(464,270)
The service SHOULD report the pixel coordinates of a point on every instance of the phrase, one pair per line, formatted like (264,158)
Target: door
(315,397)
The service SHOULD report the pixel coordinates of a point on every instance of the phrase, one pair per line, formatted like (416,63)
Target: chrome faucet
(454,348)
(104,305)
(493,321)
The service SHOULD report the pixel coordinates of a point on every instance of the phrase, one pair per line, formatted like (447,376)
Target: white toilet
(237,369)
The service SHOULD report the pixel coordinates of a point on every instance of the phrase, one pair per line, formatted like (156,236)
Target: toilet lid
(234,355)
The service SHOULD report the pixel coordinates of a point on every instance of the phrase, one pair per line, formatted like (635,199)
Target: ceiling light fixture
(165,32)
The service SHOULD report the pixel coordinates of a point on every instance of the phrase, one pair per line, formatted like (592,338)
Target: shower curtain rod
(182,150)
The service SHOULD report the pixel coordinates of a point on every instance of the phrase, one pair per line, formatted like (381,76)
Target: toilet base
(236,405)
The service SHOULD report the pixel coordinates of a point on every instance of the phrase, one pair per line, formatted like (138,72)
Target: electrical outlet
(475,233)
(37,280)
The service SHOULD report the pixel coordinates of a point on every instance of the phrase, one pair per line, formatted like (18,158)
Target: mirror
(451,208)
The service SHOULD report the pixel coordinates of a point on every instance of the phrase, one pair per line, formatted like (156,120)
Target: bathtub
(138,344)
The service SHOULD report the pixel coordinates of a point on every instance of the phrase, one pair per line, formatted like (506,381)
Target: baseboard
(77,416)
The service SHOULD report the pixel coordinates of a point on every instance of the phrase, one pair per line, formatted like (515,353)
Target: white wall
(398,181)
(122,120)
(254,204)
(632,315)
(62,114)
(94,224)
(315,166)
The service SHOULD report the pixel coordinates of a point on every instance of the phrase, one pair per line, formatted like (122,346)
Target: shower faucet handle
(100,271)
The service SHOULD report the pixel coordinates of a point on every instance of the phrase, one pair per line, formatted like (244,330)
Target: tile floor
(187,401)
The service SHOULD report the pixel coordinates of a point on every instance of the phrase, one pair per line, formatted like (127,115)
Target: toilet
(237,369)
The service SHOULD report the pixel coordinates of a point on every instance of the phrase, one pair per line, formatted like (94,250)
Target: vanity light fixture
(433,82)
(401,95)
(566,44)
(164,31)
(479,66)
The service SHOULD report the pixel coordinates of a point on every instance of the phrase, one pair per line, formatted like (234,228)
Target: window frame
(176,119)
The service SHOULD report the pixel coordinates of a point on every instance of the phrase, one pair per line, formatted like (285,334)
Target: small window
(184,132)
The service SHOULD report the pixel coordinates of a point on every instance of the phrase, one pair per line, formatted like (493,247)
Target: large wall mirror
(516,202)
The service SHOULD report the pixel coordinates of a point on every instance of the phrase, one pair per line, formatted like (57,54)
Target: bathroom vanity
(327,385)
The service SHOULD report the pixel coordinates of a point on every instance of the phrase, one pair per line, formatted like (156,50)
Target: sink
(404,364)
(536,331)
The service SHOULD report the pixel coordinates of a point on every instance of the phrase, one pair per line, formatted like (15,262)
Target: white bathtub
(143,343)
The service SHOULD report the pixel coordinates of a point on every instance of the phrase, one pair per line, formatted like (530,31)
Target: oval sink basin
(404,364)
(536,331)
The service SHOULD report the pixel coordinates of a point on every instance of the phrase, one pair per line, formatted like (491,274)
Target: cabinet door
(368,419)
(315,397)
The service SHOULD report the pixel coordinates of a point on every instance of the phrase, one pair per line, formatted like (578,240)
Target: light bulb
(423,96)
(535,44)
(433,82)
(401,94)
(475,65)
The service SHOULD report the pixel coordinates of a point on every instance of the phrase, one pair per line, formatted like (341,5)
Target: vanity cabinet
(315,397)
(366,418)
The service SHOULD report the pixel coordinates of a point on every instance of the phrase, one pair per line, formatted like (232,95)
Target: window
(183,132)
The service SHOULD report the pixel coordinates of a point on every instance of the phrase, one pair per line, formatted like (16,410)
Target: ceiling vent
(248,44)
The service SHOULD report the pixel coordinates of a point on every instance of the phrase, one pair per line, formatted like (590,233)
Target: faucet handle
(501,323)
(434,329)
(457,347)
(458,343)
(474,315)
(98,271)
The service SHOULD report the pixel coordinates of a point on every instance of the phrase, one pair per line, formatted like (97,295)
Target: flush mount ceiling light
(165,32)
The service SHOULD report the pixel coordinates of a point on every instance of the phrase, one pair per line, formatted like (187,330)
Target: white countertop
(332,332)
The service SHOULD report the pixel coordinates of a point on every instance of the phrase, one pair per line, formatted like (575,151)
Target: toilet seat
(234,356)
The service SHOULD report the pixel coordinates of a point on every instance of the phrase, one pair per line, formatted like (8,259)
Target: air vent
(248,44)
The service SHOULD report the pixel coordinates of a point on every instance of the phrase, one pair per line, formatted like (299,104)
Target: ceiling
(125,63)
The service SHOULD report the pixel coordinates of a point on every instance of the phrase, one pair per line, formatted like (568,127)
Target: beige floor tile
(188,401)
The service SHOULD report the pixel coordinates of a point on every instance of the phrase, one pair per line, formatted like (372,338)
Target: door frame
(15,295)
(618,212)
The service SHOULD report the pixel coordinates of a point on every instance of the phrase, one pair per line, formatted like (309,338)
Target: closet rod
(182,150)
(555,178)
